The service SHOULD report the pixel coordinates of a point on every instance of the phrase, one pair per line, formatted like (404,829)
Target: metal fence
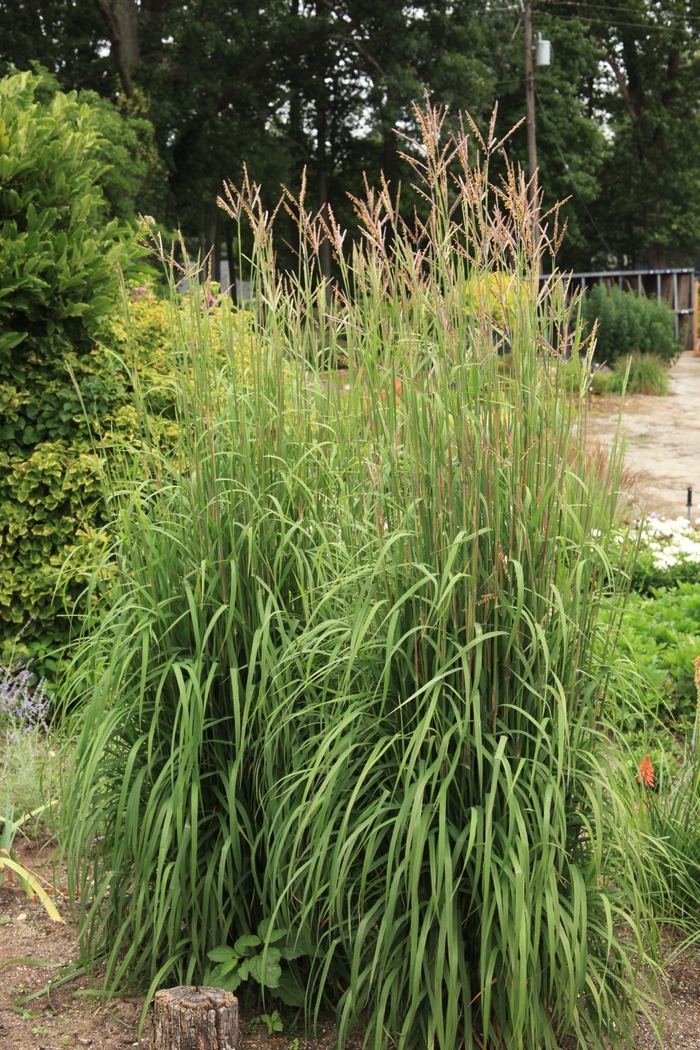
(676,287)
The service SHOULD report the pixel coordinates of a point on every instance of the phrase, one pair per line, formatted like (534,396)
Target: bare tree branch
(622,84)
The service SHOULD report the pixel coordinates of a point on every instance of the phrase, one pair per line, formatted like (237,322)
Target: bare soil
(662,440)
(33,948)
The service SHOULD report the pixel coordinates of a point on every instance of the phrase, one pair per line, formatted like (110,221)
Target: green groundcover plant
(661,634)
(350,680)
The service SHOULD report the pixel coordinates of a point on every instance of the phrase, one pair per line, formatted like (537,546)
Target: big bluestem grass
(350,675)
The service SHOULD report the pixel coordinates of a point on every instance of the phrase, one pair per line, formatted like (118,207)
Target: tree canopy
(285,85)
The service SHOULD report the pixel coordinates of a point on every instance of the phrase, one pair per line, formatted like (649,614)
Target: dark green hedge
(628,324)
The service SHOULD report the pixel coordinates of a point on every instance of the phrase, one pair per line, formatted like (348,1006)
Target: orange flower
(646,772)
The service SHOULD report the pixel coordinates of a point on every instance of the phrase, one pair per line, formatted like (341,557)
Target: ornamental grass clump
(640,374)
(350,681)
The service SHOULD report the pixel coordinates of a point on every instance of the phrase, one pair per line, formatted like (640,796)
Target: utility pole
(530,99)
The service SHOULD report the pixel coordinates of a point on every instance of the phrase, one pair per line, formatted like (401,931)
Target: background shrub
(628,324)
(66,347)
(59,262)
(63,436)
(133,178)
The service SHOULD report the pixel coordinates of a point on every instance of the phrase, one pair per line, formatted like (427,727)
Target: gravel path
(662,439)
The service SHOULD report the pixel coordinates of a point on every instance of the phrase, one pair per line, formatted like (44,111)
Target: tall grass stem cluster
(349,678)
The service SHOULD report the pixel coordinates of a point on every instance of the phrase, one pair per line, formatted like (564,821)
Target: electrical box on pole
(543,51)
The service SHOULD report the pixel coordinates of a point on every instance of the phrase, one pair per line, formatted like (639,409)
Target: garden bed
(71,1017)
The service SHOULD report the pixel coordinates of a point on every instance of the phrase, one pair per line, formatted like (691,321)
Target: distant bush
(628,324)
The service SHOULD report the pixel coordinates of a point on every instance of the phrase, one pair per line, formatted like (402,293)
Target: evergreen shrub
(628,323)
(67,352)
(59,263)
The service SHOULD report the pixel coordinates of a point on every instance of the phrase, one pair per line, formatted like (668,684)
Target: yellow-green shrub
(84,426)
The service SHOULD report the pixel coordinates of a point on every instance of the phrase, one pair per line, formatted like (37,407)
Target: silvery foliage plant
(22,699)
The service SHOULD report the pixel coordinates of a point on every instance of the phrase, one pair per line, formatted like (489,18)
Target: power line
(608,7)
(605,7)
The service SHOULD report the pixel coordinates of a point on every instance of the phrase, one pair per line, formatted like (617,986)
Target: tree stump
(189,1018)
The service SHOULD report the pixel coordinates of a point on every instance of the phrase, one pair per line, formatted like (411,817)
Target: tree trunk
(530,106)
(189,1018)
(321,155)
(298,162)
(390,161)
(657,257)
(121,17)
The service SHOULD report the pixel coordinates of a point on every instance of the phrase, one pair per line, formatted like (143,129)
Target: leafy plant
(629,324)
(351,673)
(661,635)
(273,1022)
(259,958)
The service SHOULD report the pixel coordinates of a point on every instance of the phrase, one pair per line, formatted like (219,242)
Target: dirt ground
(32,948)
(662,440)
